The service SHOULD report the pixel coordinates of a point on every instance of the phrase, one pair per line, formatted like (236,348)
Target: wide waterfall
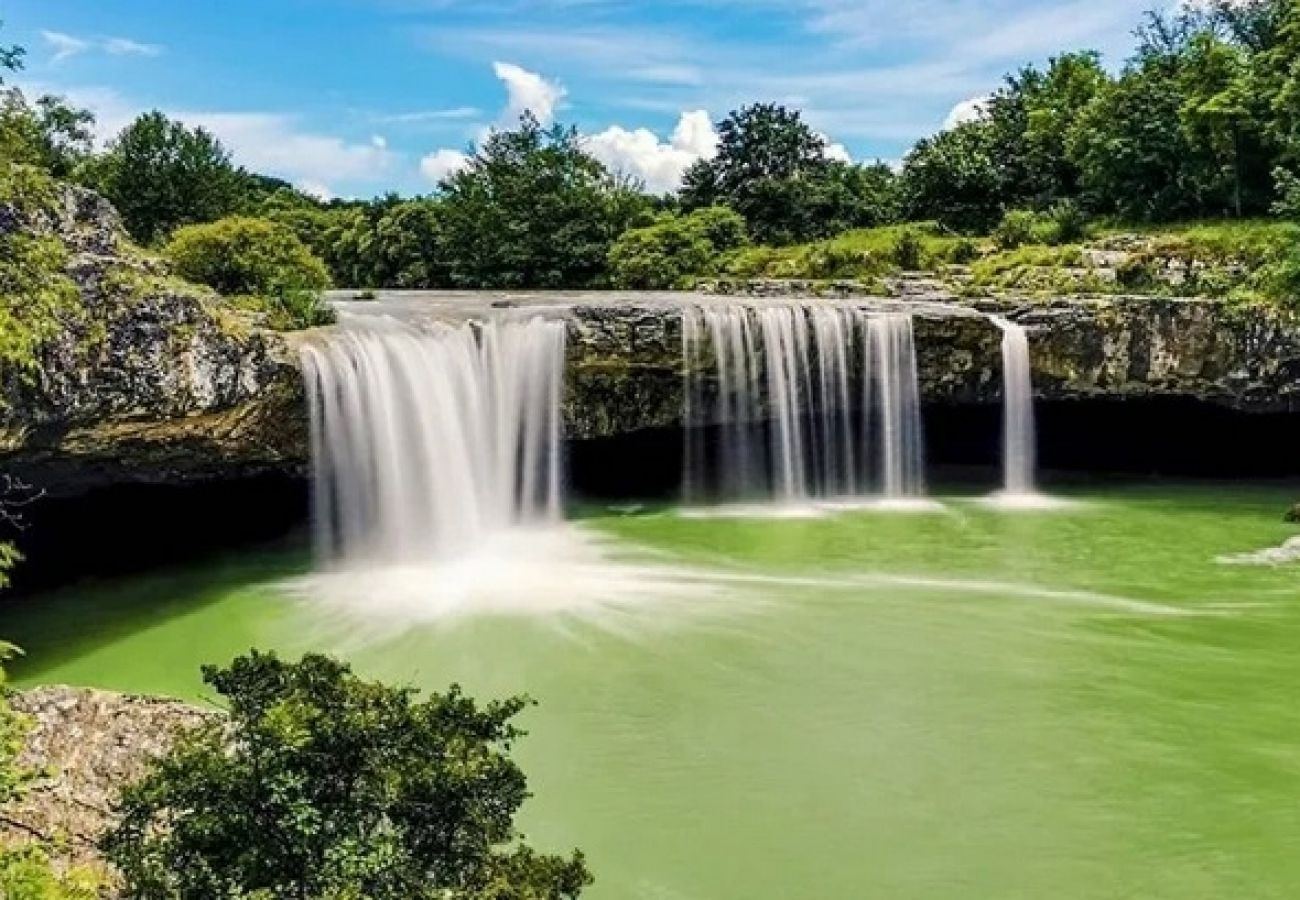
(1018,432)
(807,401)
(425,442)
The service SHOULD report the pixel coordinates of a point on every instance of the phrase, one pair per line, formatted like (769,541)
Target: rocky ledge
(151,379)
(87,744)
(143,376)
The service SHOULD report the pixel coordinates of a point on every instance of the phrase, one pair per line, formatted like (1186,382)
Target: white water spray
(426,443)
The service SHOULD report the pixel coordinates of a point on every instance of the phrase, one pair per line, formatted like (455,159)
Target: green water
(1079,703)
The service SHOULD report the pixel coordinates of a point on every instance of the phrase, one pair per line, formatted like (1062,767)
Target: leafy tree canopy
(161,175)
(322,785)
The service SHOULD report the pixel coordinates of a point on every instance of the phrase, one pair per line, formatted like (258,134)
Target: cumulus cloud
(66,46)
(659,164)
(442,163)
(967,111)
(527,92)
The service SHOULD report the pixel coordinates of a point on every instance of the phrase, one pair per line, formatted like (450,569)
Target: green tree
(532,210)
(772,168)
(322,785)
(11,57)
(50,134)
(161,175)
(953,178)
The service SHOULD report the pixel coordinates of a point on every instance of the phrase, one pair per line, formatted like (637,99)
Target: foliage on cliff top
(322,785)
(36,295)
(863,254)
(262,263)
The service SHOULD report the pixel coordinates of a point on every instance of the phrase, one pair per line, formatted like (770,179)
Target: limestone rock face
(88,744)
(149,376)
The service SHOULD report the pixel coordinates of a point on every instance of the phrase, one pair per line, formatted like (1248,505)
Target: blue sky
(355,97)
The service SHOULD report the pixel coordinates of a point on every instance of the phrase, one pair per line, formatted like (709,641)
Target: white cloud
(970,110)
(835,151)
(527,92)
(659,164)
(117,46)
(316,189)
(442,163)
(65,46)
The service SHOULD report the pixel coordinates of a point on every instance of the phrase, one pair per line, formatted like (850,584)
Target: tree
(532,210)
(51,135)
(771,168)
(953,178)
(11,57)
(161,175)
(322,785)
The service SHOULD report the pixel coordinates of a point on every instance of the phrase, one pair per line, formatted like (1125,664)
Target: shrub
(908,250)
(322,785)
(1288,193)
(1017,228)
(1067,223)
(242,255)
(964,251)
(669,253)
(261,262)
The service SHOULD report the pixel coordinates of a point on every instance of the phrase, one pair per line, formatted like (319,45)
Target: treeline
(1203,121)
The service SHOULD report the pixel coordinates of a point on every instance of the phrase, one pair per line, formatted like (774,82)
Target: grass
(863,254)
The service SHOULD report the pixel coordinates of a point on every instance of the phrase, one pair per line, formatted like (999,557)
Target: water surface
(1073,703)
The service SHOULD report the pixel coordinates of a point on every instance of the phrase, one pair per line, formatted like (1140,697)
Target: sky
(353,98)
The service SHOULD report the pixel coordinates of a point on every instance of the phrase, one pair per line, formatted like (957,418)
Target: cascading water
(808,400)
(424,443)
(1018,433)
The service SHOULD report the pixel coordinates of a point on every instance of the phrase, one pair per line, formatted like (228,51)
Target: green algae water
(1082,702)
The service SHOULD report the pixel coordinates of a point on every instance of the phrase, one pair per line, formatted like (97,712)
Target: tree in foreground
(322,785)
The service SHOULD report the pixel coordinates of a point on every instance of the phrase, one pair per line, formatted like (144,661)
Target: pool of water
(1077,702)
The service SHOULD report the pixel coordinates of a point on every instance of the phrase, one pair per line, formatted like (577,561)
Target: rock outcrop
(87,745)
(143,376)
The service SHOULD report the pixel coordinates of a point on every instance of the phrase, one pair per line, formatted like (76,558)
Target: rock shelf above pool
(624,373)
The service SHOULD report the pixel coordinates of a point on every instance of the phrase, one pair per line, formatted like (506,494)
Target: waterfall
(806,401)
(1018,433)
(426,442)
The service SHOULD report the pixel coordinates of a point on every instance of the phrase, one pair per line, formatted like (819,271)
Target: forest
(1201,123)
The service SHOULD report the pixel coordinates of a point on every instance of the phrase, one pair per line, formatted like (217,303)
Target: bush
(261,262)
(1067,223)
(908,250)
(676,249)
(1288,194)
(322,785)
(1017,228)
(242,255)
(964,251)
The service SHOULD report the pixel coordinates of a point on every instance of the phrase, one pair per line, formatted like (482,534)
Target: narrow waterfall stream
(808,401)
(424,443)
(1018,433)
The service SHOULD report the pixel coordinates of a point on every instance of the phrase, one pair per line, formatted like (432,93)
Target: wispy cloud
(427,116)
(66,46)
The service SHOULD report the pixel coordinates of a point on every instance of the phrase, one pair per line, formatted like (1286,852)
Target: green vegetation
(676,249)
(36,296)
(1201,123)
(533,209)
(323,785)
(262,263)
(161,175)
